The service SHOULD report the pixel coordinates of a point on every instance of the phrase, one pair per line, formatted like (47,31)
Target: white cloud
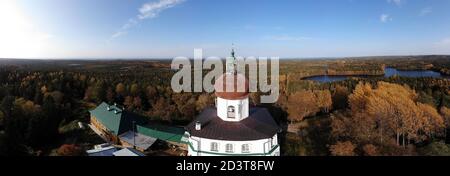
(425,11)
(19,37)
(124,29)
(152,9)
(442,46)
(396,2)
(385,18)
(444,42)
(147,11)
(285,38)
(118,34)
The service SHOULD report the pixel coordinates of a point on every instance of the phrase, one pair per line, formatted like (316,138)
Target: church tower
(231,88)
(233,127)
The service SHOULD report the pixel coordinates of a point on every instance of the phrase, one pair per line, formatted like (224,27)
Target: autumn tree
(53,116)
(6,107)
(90,94)
(163,109)
(432,122)
(370,150)
(151,93)
(137,102)
(204,100)
(343,149)
(44,89)
(187,110)
(101,91)
(120,89)
(57,96)
(384,113)
(158,108)
(301,104)
(387,109)
(293,146)
(38,96)
(436,149)
(110,95)
(358,99)
(323,99)
(129,102)
(70,150)
(134,89)
(445,112)
(339,97)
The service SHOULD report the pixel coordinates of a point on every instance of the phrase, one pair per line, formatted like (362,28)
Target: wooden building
(112,121)
(131,130)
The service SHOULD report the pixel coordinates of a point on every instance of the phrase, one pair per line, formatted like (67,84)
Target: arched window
(229,148)
(231,112)
(245,148)
(214,146)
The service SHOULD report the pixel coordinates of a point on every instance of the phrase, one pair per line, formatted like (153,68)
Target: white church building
(233,127)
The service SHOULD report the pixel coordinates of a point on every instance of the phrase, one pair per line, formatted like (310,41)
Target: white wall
(255,146)
(222,109)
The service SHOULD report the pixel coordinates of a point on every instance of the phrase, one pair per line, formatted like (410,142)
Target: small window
(231,112)
(229,148)
(245,148)
(214,147)
(230,109)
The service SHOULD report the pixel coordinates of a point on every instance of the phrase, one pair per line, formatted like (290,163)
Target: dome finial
(231,62)
(232,50)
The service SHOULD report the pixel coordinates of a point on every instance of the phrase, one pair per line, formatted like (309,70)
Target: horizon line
(167,58)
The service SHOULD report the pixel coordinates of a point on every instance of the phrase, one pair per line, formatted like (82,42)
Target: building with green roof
(165,133)
(112,120)
(113,123)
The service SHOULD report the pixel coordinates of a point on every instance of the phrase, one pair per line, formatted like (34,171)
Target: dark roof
(115,119)
(259,125)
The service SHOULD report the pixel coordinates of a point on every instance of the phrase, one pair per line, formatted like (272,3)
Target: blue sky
(169,28)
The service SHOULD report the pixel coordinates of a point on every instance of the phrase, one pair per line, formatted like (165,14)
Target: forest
(41,102)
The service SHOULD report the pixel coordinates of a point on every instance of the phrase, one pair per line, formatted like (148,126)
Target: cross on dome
(231,62)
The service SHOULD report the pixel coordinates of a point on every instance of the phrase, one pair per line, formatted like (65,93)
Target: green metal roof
(110,119)
(118,121)
(115,119)
(166,133)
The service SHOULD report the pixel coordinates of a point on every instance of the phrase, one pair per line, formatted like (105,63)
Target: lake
(388,72)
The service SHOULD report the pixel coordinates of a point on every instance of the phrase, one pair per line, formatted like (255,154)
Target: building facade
(233,127)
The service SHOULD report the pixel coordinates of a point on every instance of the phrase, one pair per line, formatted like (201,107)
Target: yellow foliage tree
(343,149)
(388,111)
(120,89)
(301,104)
(323,99)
